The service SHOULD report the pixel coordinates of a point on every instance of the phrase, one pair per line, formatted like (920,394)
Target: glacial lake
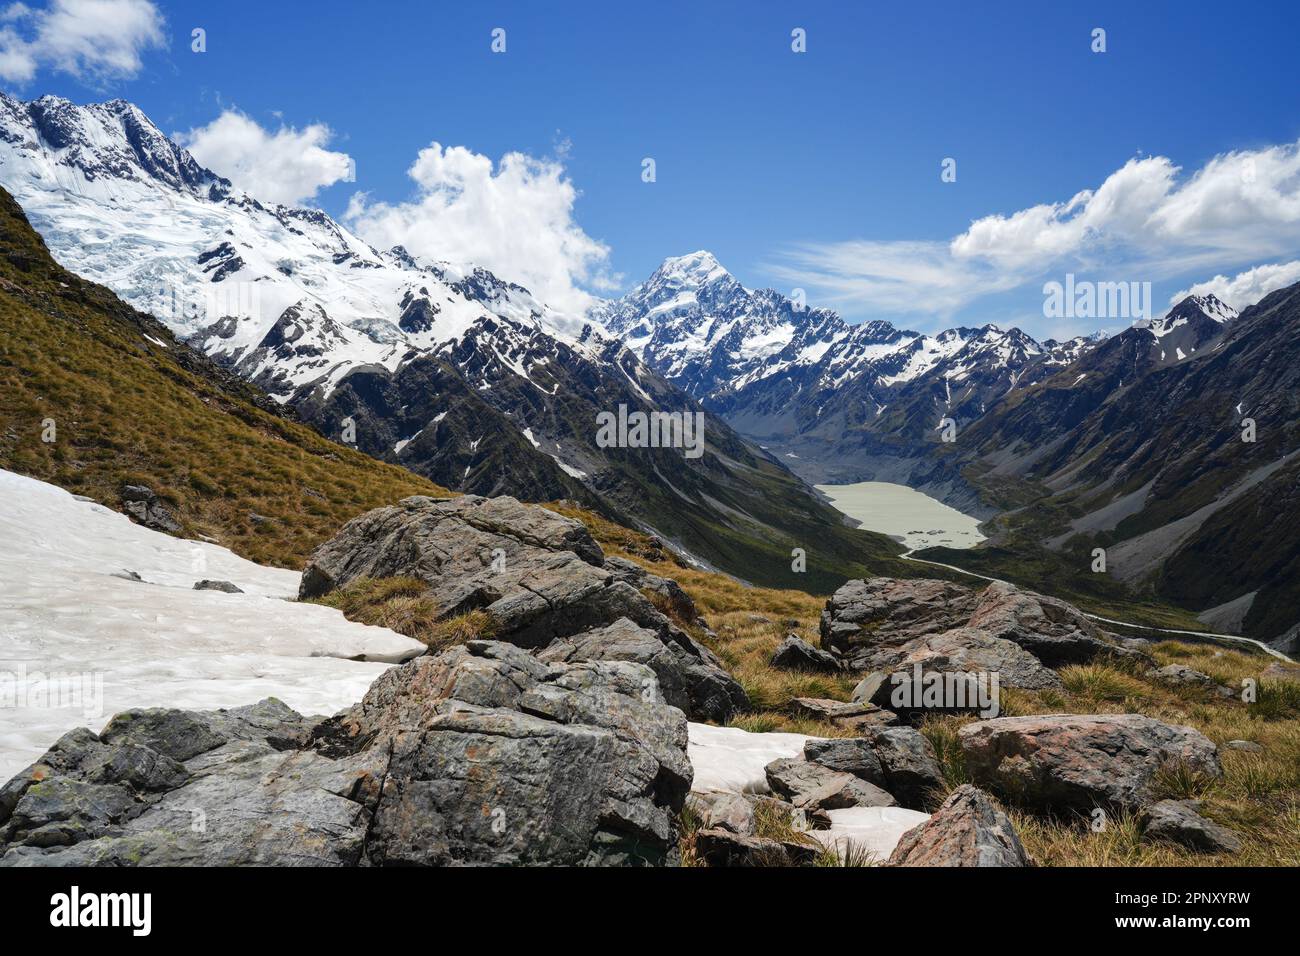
(916,519)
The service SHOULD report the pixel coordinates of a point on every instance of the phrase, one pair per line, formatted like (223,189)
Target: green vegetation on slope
(126,410)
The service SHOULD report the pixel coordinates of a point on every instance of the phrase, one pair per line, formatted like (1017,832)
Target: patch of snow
(731,760)
(68,609)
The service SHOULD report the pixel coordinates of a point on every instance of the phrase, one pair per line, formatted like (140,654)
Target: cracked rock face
(541,579)
(883,624)
(968,830)
(481,755)
(1081,761)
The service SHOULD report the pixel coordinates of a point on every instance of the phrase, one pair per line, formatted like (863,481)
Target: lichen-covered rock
(482,754)
(969,829)
(1081,761)
(862,614)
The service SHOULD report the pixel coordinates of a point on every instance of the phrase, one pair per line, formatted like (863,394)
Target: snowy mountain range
(801,379)
(459,375)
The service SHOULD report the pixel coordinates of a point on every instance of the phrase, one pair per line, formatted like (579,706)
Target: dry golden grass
(1258,794)
(402,605)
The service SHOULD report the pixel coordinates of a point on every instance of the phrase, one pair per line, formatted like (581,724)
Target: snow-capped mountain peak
(286,295)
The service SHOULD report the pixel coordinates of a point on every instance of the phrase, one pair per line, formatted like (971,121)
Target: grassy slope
(128,410)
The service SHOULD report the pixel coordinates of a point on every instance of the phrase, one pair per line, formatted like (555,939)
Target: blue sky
(819,170)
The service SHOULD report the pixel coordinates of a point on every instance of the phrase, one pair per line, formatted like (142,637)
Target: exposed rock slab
(1179,821)
(810,785)
(1078,762)
(483,754)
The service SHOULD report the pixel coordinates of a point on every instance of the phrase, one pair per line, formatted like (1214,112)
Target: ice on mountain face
(287,295)
(700,328)
(73,623)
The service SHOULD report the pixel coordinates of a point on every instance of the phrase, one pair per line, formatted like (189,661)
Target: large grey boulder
(1081,761)
(539,577)
(962,650)
(862,614)
(810,785)
(482,754)
(1053,631)
(911,769)
(869,624)
(969,829)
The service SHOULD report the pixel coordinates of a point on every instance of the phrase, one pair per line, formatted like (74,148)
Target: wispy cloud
(1146,221)
(93,40)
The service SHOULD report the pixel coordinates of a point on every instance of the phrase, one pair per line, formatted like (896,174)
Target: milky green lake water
(916,519)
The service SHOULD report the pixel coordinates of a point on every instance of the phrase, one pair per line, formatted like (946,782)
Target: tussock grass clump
(402,604)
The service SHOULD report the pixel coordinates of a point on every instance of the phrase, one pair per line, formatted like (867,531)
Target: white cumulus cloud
(287,165)
(1147,221)
(514,217)
(1245,288)
(93,40)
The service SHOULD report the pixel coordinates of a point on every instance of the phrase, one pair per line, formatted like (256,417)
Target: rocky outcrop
(482,754)
(542,581)
(809,785)
(675,601)
(863,614)
(1067,761)
(142,504)
(794,653)
(969,829)
(692,680)
(912,772)
(963,650)
(1178,821)
(885,626)
(1054,632)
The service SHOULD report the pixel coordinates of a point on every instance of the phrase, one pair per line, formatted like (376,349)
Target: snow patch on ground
(70,610)
(731,760)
